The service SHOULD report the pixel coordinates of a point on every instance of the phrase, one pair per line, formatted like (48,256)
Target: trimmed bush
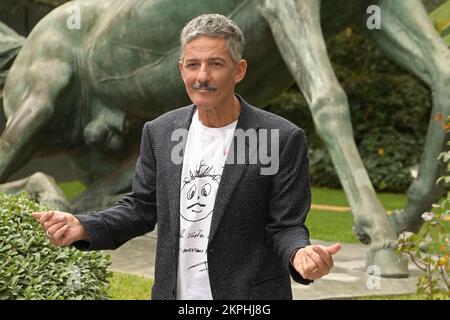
(32,268)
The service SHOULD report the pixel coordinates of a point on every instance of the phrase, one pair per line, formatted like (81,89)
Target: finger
(298,265)
(54,220)
(323,266)
(319,269)
(52,230)
(67,237)
(37,214)
(306,273)
(333,249)
(59,235)
(311,267)
(47,215)
(324,255)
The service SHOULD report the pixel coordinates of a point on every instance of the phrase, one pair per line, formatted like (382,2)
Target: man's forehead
(211,48)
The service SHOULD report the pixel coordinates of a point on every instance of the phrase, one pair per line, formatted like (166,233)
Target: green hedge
(390,111)
(31,268)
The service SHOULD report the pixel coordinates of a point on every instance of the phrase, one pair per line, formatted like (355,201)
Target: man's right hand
(61,228)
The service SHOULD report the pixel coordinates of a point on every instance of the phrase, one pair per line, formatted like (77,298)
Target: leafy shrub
(31,268)
(429,250)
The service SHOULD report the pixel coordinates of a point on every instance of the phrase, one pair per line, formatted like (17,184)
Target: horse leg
(44,79)
(297,31)
(408,37)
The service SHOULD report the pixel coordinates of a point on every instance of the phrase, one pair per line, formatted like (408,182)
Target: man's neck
(222,115)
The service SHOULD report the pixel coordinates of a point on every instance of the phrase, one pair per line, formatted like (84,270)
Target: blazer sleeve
(290,201)
(134,215)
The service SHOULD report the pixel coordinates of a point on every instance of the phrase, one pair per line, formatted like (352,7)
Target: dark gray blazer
(258,220)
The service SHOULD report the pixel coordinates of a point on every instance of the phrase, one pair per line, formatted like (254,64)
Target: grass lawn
(71,189)
(336,197)
(337,226)
(126,286)
(331,226)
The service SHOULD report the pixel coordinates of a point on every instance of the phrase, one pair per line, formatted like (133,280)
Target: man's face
(209,73)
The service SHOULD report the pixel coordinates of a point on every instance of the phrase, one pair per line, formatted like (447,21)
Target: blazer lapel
(231,174)
(175,170)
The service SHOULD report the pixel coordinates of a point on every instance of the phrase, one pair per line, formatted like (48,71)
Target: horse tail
(10,45)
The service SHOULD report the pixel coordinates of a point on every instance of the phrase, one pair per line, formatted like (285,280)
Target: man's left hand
(315,261)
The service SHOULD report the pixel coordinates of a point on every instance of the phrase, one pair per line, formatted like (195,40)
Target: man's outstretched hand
(315,261)
(61,228)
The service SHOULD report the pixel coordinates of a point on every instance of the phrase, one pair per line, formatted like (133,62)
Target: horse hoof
(385,262)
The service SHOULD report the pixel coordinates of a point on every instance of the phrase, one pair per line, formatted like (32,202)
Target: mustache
(197,203)
(203,86)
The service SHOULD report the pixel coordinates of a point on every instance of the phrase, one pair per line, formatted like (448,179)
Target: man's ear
(180,66)
(241,69)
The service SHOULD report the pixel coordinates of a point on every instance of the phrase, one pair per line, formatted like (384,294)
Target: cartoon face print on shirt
(196,189)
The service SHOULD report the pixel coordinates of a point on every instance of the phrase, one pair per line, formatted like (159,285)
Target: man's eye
(191,65)
(216,64)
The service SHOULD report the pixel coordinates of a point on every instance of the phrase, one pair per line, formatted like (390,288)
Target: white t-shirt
(204,159)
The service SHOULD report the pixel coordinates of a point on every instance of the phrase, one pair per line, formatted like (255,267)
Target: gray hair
(217,26)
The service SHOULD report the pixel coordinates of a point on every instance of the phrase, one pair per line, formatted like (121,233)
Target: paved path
(347,279)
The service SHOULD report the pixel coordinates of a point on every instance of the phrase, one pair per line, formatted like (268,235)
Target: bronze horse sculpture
(87,91)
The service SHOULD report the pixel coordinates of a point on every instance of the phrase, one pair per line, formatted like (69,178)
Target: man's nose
(203,74)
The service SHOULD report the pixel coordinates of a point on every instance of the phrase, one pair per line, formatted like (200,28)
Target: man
(225,230)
